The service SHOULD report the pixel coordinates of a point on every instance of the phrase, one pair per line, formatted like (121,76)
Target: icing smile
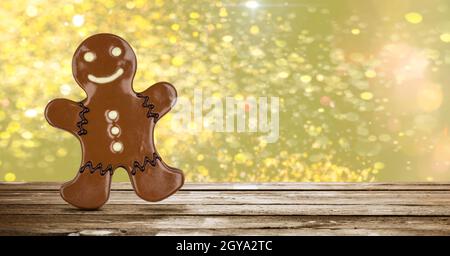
(106,79)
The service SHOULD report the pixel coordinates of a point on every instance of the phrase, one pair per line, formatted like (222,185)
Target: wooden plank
(125,210)
(251,197)
(227,232)
(298,186)
(223,225)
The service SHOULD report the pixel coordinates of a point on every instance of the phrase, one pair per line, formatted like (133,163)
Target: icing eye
(116,51)
(89,56)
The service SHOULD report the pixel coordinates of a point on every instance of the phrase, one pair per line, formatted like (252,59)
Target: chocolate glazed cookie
(114,125)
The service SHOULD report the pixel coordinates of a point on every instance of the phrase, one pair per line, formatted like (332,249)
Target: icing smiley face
(102,60)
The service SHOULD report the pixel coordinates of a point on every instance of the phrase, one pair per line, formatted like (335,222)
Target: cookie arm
(162,95)
(63,114)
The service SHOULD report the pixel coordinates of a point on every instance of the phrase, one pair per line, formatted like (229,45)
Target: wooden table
(236,209)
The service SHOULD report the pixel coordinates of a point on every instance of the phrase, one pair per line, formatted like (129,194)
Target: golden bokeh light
(414,17)
(445,37)
(10,177)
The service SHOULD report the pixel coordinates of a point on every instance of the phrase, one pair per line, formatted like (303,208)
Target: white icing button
(117,146)
(112,115)
(115,130)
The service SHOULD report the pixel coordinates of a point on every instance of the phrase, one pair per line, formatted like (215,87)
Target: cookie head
(103,60)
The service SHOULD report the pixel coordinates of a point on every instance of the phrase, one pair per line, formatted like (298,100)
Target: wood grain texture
(235,209)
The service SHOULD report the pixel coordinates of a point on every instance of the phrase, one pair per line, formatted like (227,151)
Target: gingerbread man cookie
(114,125)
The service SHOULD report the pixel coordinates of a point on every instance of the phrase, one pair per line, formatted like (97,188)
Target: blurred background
(363,85)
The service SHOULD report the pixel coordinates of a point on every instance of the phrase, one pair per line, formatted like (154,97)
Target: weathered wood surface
(235,209)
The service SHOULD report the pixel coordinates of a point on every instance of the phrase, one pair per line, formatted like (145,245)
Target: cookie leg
(87,190)
(154,183)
